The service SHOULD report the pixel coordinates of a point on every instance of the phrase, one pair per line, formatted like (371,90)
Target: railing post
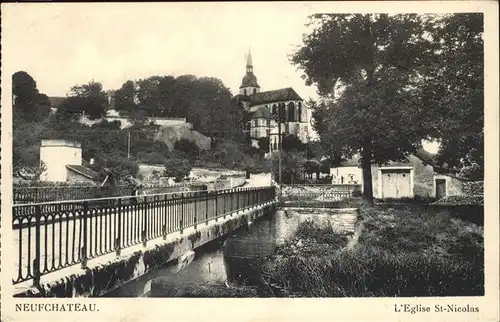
(164,227)
(84,248)
(36,260)
(119,232)
(181,221)
(195,210)
(145,222)
(216,205)
(206,206)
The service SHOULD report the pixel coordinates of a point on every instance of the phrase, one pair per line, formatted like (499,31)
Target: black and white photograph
(247,150)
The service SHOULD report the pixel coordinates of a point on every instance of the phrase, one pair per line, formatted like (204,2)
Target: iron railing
(317,195)
(22,195)
(54,235)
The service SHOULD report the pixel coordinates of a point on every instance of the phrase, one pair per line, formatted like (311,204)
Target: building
(264,109)
(417,176)
(63,162)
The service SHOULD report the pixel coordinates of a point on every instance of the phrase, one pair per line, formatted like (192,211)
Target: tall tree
(29,104)
(376,59)
(453,88)
(125,98)
(93,99)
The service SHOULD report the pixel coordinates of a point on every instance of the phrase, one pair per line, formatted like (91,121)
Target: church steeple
(249,62)
(249,83)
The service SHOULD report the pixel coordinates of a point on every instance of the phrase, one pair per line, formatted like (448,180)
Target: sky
(62,45)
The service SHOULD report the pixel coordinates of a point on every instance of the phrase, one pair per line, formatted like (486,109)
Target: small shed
(395,182)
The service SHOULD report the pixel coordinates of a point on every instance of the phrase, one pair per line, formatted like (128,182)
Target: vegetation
(404,85)
(399,253)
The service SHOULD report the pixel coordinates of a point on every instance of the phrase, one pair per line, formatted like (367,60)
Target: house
(264,107)
(418,175)
(62,160)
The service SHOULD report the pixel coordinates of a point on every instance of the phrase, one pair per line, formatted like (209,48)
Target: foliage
(292,166)
(264,144)
(453,89)
(177,166)
(375,74)
(206,102)
(188,147)
(400,253)
(292,142)
(91,99)
(29,104)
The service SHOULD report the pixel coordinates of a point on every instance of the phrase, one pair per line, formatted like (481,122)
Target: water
(209,263)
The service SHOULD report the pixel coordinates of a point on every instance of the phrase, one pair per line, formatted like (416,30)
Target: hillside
(171,134)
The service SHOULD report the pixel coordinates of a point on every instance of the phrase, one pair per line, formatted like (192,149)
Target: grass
(400,253)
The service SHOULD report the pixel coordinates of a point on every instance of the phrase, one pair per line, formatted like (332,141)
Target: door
(440,188)
(396,183)
(389,187)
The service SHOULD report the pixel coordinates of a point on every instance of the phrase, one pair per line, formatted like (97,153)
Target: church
(271,110)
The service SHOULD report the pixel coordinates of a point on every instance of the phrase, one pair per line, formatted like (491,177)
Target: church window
(268,122)
(274,111)
(299,112)
(256,122)
(254,90)
(245,91)
(291,112)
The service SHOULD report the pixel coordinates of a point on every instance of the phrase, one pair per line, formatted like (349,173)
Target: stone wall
(288,220)
(108,272)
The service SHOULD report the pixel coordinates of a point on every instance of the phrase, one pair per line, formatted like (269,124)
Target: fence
(54,235)
(24,195)
(322,195)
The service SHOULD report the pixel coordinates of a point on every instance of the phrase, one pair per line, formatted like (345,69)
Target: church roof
(278,95)
(249,80)
(262,112)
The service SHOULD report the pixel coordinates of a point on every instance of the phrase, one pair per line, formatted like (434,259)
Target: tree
(91,99)
(187,147)
(177,166)
(292,166)
(29,104)
(366,68)
(264,144)
(453,88)
(125,98)
(292,142)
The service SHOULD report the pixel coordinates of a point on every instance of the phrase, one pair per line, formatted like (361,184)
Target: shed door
(396,183)
(440,188)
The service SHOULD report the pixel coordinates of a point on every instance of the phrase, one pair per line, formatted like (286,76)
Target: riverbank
(398,253)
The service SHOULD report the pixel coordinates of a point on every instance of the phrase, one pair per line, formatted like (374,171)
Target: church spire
(249,62)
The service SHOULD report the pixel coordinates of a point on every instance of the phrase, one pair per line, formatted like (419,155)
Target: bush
(369,272)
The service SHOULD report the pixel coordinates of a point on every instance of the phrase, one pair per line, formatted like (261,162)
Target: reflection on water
(208,265)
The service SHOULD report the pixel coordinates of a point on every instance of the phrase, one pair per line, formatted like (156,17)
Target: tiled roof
(278,95)
(84,171)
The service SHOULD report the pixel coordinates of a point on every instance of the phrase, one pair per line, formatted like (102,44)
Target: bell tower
(249,83)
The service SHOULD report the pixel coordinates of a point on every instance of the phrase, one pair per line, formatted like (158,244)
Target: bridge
(87,247)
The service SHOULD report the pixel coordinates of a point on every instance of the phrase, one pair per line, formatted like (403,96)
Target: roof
(249,80)
(262,112)
(84,171)
(278,95)
(55,101)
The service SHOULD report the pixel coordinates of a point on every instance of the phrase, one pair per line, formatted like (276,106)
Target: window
(291,112)
(268,122)
(268,133)
(254,90)
(275,111)
(255,122)
(299,112)
(245,91)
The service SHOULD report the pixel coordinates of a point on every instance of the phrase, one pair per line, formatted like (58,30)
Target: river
(209,263)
